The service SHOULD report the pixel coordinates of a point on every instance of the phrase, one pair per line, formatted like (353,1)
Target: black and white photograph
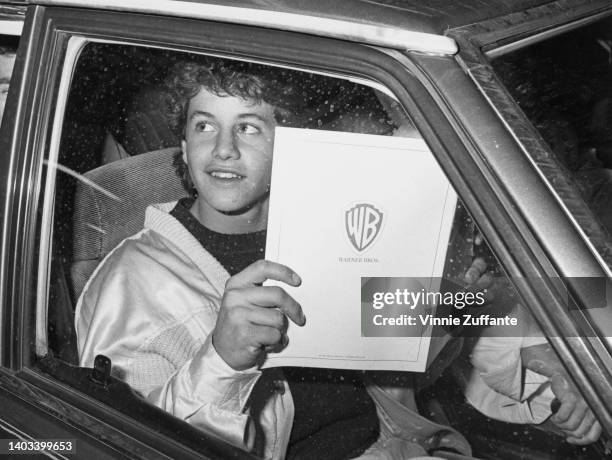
(306,229)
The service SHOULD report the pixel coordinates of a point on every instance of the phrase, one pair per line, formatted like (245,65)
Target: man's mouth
(225,175)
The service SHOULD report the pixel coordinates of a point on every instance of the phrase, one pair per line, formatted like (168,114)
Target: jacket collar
(158,219)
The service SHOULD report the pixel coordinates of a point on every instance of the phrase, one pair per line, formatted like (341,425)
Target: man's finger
(473,274)
(593,435)
(260,271)
(484,282)
(565,416)
(274,297)
(570,410)
(586,422)
(271,317)
(264,336)
(279,346)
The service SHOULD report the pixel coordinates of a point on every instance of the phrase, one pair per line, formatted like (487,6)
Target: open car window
(118,154)
(117,131)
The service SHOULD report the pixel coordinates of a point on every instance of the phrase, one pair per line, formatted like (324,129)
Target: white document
(319,176)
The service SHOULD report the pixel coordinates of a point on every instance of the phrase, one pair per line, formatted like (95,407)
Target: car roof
(431,16)
(402,24)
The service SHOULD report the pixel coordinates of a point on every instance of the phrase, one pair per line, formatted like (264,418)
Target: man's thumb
(559,385)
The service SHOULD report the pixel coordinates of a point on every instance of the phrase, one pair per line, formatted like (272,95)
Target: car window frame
(48,30)
(571,260)
(11,24)
(486,40)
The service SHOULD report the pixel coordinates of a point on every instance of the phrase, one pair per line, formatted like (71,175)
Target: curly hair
(252,82)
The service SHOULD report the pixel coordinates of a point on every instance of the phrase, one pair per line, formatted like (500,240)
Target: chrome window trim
(511,131)
(515,46)
(550,187)
(390,37)
(481,42)
(542,36)
(73,49)
(598,341)
(4,226)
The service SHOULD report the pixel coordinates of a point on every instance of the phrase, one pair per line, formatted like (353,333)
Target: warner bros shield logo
(363,223)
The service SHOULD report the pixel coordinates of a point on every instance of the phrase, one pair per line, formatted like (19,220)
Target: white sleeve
(497,384)
(206,392)
(166,363)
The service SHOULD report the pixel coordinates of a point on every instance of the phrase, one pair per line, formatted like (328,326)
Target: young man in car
(181,310)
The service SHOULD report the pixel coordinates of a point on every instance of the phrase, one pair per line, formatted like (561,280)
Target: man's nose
(225,147)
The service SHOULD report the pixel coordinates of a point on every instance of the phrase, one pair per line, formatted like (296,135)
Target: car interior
(117,137)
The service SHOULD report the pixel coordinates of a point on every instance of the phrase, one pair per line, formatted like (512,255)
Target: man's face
(228,148)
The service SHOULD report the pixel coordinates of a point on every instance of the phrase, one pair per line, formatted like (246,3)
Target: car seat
(110,206)
(146,125)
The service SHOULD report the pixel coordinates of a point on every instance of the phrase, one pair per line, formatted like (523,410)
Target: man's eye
(248,129)
(203,126)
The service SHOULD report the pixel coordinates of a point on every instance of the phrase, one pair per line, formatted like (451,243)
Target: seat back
(146,125)
(110,206)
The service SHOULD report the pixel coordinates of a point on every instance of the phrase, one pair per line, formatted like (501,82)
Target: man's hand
(477,275)
(479,279)
(253,318)
(483,275)
(573,416)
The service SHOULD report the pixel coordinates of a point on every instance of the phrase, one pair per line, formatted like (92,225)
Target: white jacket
(151,306)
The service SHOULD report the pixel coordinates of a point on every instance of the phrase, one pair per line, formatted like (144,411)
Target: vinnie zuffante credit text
(406,307)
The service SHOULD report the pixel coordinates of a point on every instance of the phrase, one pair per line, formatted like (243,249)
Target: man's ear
(184,150)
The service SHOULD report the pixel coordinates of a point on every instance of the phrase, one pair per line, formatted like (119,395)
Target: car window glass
(8,51)
(120,152)
(563,86)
